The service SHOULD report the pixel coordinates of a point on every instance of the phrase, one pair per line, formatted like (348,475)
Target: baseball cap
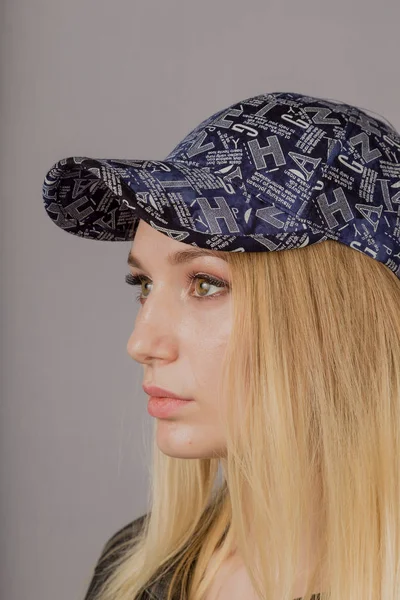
(275,171)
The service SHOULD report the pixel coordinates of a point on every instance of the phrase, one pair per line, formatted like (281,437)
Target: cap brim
(104,199)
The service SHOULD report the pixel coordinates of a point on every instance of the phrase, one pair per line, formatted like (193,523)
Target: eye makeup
(137,280)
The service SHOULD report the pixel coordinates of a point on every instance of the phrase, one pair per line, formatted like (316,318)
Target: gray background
(121,79)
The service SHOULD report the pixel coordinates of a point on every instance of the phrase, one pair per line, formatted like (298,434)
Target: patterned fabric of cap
(272,172)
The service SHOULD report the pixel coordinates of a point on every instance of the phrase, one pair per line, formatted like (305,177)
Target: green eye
(140,279)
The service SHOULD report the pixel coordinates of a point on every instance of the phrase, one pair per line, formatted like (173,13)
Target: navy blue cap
(272,172)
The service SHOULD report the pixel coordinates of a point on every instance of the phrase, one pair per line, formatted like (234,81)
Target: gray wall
(121,79)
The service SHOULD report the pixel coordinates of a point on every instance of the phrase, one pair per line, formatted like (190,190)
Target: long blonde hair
(311,385)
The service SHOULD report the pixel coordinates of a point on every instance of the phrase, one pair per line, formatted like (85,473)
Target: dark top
(112,550)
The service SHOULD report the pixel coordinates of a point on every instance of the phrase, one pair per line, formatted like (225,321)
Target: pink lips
(155,391)
(165,407)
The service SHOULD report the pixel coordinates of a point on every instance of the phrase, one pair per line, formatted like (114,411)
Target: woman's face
(180,339)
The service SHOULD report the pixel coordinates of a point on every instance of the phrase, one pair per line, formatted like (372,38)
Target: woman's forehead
(160,247)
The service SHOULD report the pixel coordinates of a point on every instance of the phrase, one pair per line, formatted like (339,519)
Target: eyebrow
(179,257)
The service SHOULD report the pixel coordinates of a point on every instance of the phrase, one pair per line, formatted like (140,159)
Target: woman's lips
(156,391)
(164,407)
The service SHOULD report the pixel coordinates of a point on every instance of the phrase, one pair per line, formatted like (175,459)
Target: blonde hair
(311,385)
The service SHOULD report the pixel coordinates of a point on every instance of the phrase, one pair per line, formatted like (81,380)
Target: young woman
(265,250)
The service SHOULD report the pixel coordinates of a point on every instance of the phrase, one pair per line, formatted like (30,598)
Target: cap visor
(104,199)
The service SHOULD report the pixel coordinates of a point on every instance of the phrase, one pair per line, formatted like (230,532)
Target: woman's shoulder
(123,535)
(110,552)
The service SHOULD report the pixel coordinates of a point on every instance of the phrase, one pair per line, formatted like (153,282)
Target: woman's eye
(204,281)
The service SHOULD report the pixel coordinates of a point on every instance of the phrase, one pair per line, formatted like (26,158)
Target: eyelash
(138,280)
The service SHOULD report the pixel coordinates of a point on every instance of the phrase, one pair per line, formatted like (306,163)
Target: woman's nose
(155,331)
